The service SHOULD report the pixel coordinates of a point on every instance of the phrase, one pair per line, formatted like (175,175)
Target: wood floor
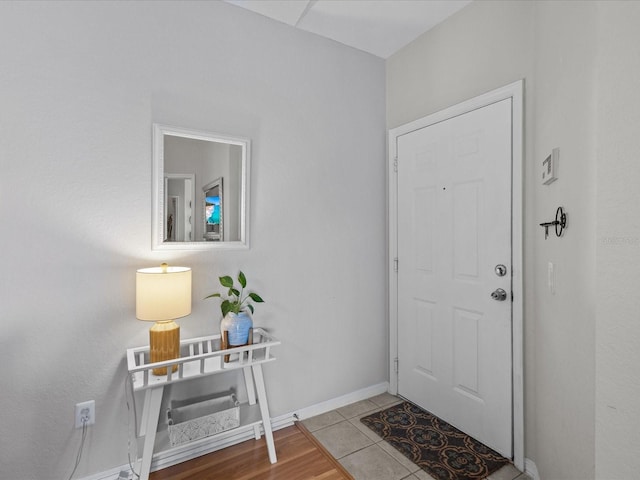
(300,457)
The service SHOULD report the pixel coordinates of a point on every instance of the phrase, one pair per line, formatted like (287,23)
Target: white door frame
(514,91)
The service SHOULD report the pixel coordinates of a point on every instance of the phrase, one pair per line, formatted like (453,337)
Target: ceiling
(380,27)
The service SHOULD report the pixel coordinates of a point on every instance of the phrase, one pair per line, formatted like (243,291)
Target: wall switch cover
(551,278)
(550,167)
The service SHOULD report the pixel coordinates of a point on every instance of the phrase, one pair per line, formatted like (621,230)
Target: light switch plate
(550,167)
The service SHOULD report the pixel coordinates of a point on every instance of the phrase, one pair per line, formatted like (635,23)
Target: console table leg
(251,395)
(248,381)
(264,410)
(150,416)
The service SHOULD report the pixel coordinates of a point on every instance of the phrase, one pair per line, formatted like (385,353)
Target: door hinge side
(395,264)
(395,364)
(395,164)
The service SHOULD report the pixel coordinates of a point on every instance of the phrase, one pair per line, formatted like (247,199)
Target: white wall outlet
(85,413)
(550,167)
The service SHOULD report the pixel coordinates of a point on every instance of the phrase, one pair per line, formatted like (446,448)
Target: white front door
(453,231)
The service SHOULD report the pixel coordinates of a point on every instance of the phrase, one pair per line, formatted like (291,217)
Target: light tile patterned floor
(366,455)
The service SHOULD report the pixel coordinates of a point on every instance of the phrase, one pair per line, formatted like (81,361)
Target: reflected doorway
(179,199)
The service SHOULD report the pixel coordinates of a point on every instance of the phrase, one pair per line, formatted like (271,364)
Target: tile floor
(366,455)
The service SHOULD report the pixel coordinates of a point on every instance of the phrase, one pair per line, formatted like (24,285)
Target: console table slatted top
(199,356)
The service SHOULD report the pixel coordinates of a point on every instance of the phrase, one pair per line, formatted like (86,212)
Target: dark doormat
(440,449)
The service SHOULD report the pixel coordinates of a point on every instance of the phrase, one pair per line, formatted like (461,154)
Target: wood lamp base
(164,343)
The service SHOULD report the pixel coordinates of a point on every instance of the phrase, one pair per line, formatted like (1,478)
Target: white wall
(80,85)
(618,245)
(564,104)
(552,46)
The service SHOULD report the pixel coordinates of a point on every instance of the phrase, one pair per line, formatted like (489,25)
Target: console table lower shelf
(202,357)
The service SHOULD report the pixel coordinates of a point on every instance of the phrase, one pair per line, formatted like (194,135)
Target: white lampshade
(163,293)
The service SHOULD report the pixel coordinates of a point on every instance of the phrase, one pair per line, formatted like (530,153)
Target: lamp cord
(79,454)
(127,381)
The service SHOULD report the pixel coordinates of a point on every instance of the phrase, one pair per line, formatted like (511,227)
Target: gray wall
(618,242)
(581,64)
(80,86)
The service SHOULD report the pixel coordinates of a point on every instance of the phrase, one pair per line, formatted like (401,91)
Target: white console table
(201,357)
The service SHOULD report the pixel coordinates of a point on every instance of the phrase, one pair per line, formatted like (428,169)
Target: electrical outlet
(85,413)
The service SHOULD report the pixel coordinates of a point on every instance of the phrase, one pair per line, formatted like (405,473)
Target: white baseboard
(531,469)
(327,406)
(207,445)
(111,474)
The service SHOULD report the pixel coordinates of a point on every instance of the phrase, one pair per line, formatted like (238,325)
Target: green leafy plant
(236,300)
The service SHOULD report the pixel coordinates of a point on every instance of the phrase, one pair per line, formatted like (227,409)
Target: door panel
(454,226)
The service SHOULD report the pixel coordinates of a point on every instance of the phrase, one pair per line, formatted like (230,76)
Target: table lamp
(163,294)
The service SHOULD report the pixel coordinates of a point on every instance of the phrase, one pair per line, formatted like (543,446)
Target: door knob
(499,295)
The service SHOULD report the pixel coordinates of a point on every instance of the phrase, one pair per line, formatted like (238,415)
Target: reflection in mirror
(179,192)
(213,217)
(189,169)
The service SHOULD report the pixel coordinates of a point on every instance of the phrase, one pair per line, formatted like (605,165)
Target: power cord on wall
(127,382)
(81,448)
(129,409)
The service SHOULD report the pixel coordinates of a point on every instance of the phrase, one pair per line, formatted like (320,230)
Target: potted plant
(236,321)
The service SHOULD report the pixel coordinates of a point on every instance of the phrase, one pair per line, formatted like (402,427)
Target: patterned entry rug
(440,449)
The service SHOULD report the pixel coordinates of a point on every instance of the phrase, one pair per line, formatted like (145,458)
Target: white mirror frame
(158,194)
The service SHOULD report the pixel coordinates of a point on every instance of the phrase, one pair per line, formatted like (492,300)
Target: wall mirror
(200,190)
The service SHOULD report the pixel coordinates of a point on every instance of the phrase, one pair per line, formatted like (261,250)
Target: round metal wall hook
(561,221)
